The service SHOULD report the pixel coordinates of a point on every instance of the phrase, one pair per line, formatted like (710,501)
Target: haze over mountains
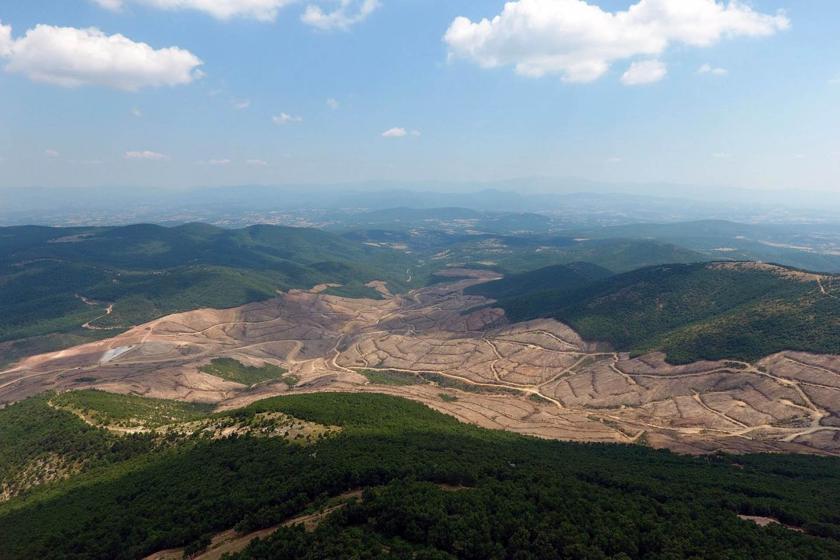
(602,203)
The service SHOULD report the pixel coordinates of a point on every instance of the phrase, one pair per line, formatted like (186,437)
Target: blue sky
(747,98)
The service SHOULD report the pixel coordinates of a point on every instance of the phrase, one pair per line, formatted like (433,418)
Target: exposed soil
(538,378)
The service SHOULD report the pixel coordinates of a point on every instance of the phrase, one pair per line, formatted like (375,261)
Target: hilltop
(690,311)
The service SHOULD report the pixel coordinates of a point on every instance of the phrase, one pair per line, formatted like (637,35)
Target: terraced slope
(691,312)
(459,355)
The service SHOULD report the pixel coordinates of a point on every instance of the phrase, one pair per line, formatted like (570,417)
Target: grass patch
(233,370)
(539,399)
(448,382)
(391,377)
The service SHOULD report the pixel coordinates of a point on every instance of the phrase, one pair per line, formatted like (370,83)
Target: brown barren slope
(538,378)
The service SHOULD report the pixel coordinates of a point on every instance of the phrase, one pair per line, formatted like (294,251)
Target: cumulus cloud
(345,15)
(712,70)
(579,40)
(6,42)
(218,162)
(399,132)
(241,104)
(261,10)
(285,118)
(113,5)
(644,72)
(256,162)
(333,104)
(147,155)
(50,153)
(395,132)
(70,57)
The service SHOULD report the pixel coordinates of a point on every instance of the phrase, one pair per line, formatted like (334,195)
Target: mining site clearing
(460,355)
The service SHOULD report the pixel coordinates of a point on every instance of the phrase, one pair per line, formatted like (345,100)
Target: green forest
(433,488)
(689,311)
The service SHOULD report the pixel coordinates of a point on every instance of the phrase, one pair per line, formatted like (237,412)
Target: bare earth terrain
(538,378)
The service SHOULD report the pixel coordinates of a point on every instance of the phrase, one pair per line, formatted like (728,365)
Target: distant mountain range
(623,203)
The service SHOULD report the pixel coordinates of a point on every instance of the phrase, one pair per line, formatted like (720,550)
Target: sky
(184,93)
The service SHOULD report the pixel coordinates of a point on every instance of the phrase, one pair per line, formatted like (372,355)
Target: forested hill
(690,311)
(563,277)
(428,487)
(54,280)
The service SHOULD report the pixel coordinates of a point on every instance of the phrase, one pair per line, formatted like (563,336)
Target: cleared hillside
(690,311)
(76,284)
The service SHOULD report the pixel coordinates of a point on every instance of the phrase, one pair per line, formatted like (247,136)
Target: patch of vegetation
(354,290)
(234,370)
(526,498)
(539,399)
(449,382)
(690,312)
(446,397)
(129,411)
(391,377)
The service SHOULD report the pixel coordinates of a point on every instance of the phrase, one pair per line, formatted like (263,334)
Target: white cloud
(714,71)
(51,153)
(416,133)
(644,72)
(580,41)
(345,15)
(113,5)
(256,163)
(6,41)
(241,104)
(70,57)
(396,132)
(146,154)
(261,10)
(285,118)
(614,160)
(218,162)
(135,111)
(333,104)
(722,155)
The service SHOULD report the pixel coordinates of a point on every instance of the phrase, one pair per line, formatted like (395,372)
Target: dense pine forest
(432,488)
